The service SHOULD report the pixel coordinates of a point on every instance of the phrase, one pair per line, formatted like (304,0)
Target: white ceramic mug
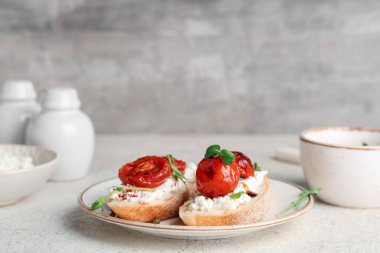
(345,163)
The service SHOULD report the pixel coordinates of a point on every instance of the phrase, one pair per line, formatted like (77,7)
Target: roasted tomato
(244,164)
(214,178)
(148,171)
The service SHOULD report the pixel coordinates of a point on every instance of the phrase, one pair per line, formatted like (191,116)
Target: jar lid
(61,98)
(17,90)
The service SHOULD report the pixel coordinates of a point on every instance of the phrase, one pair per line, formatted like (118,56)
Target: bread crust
(148,212)
(246,213)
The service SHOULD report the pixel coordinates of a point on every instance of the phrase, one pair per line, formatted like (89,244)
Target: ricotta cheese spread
(10,162)
(226,203)
(171,187)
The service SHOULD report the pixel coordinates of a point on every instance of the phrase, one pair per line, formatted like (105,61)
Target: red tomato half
(214,178)
(148,171)
(244,164)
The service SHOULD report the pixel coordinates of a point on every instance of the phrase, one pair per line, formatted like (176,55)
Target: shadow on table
(117,236)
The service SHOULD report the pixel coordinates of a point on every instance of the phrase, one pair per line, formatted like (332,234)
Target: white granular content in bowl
(10,162)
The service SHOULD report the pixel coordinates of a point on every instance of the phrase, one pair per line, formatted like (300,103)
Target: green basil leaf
(212,151)
(99,203)
(236,195)
(227,156)
(227,153)
(226,160)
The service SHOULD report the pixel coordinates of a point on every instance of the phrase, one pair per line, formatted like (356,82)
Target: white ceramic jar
(64,128)
(17,104)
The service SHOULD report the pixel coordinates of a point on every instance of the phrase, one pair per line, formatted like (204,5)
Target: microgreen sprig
(177,173)
(236,195)
(102,200)
(214,151)
(257,166)
(303,196)
(119,188)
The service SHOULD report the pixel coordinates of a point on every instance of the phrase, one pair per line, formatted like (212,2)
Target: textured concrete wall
(202,65)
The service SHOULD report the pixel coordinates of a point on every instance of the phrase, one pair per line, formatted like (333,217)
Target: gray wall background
(209,66)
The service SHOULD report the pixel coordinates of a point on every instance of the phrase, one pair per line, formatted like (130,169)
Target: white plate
(284,193)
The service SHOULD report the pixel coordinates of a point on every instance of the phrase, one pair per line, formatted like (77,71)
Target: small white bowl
(17,184)
(336,160)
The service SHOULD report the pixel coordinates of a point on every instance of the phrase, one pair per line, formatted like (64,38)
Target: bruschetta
(152,188)
(231,191)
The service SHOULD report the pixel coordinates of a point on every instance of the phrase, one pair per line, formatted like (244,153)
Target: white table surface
(51,221)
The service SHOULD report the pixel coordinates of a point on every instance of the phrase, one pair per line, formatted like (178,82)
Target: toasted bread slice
(246,213)
(148,212)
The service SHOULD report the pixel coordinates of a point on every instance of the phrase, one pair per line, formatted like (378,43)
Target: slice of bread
(246,213)
(148,212)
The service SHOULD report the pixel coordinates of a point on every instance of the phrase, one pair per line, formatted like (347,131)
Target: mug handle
(288,154)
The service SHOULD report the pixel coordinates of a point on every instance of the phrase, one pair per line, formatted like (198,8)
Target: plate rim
(123,222)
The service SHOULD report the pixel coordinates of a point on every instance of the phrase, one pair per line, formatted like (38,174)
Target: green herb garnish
(236,195)
(177,173)
(213,151)
(119,188)
(364,143)
(257,166)
(226,156)
(303,196)
(101,201)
